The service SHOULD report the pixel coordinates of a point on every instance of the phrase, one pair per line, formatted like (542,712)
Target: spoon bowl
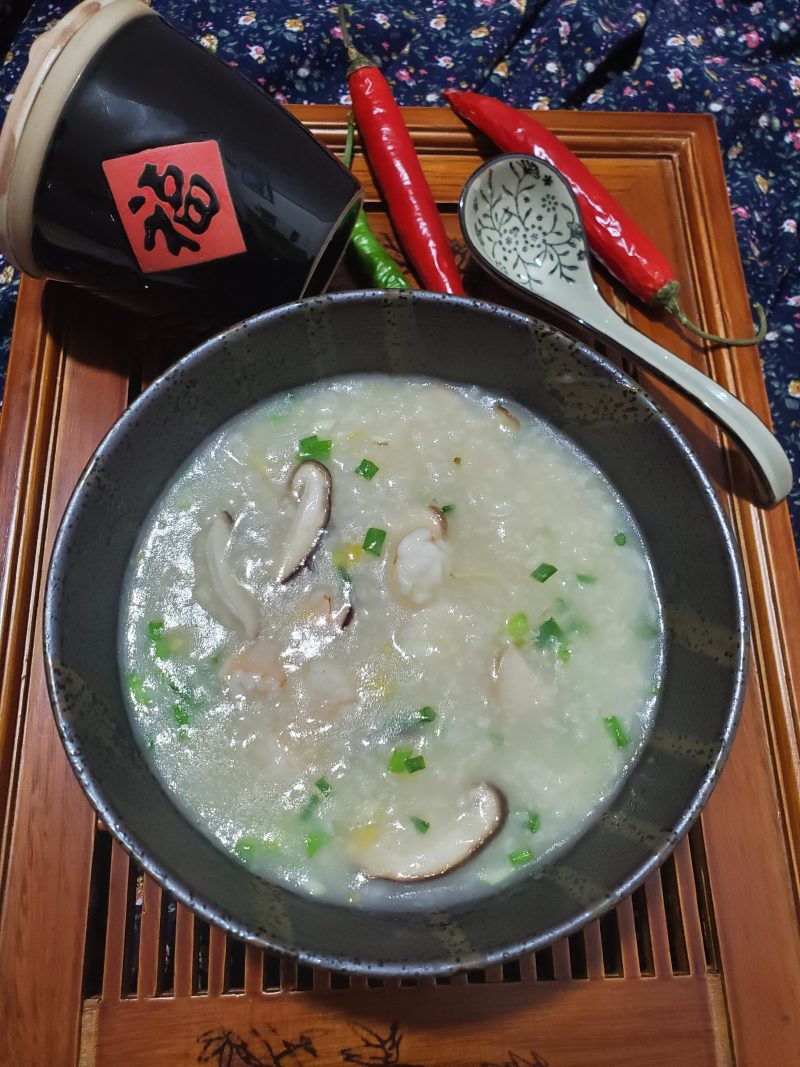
(523,224)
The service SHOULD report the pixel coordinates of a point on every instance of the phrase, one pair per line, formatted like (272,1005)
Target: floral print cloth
(739,62)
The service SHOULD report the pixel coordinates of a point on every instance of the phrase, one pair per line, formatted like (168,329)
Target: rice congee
(389,640)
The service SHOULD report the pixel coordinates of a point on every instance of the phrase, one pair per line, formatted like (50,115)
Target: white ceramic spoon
(522,222)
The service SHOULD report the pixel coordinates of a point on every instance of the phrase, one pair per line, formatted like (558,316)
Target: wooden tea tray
(700,966)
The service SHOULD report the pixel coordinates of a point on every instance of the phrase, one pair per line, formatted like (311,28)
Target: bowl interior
(406,333)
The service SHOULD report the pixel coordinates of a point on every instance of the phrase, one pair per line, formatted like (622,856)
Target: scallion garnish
(312,804)
(620,539)
(497,738)
(586,579)
(618,733)
(534,821)
(161,641)
(344,556)
(517,626)
(543,572)
(252,848)
(324,786)
(367,469)
(447,508)
(180,715)
(136,686)
(645,629)
(315,840)
(549,632)
(427,714)
(421,825)
(312,448)
(564,652)
(373,541)
(415,763)
(397,760)
(520,856)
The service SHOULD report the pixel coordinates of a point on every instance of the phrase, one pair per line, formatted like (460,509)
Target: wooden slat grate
(155,946)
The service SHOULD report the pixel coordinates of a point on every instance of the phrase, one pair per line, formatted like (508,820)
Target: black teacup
(137,165)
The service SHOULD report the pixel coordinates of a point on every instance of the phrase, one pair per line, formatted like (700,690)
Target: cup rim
(56,61)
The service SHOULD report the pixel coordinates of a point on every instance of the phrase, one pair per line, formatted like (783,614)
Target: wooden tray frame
(73,366)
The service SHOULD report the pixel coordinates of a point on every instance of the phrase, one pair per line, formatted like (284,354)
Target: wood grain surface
(700,966)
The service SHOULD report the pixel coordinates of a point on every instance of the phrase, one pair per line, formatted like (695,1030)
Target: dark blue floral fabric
(739,62)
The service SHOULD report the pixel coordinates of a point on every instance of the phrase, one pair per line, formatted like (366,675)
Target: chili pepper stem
(357,59)
(668,298)
(349,141)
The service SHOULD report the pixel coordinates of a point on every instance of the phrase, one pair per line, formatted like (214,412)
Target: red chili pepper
(613,236)
(393,158)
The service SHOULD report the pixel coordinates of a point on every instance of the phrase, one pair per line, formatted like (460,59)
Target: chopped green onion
(312,804)
(137,689)
(324,786)
(543,572)
(497,738)
(312,448)
(447,508)
(253,848)
(427,714)
(397,761)
(341,558)
(654,692)
(586,579)
(645,629)
(617,731)
(163,647)
(315,840)
(373,541)
(521,856)
(180,715)
(564,652)
(367,469)
(549,632)
(534,821)
(620,539)
(161,641)
(420,824)
(415,763)
(517,626)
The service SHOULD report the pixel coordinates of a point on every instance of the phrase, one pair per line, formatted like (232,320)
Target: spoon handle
(759,444)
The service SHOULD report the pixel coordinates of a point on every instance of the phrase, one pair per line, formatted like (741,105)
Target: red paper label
(175,205)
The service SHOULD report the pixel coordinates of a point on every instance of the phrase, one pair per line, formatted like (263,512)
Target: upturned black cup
(136,164)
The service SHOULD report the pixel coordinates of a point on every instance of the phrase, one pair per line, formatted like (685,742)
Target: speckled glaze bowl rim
(194,899)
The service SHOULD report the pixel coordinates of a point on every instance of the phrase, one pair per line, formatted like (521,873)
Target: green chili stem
(668,298)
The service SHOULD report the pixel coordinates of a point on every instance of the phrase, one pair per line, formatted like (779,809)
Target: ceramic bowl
(585,397)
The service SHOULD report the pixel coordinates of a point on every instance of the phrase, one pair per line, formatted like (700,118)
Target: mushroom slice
(517,687)
(236,599)
(310,485)
(402,854)
(419,562)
